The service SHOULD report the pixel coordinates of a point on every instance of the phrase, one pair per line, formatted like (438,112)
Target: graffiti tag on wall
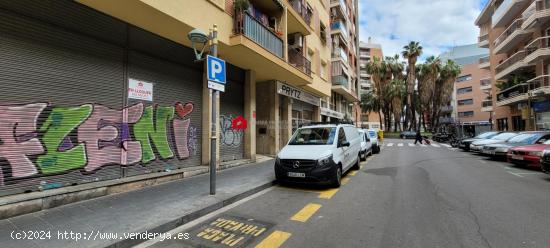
(232,130)
(91,136)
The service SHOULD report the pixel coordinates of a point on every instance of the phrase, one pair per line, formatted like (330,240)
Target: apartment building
(367,51)
(517,34)
(471,105)
(103,90)
(343,101)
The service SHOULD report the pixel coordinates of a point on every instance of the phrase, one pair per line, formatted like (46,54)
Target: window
(464,78)
(464,90)
(466,102)
(517,123)
(466,114)
(323,70)
(341,136)
(314,136)
(323,33)
(502,124)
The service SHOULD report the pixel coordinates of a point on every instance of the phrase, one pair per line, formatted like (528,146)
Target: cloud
(436,24)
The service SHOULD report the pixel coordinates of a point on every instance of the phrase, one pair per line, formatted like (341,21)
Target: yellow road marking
(327,194)
(274,240)
(352,173)
(345,181)
(306,212)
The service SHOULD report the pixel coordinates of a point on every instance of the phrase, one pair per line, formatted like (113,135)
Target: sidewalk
(154,209)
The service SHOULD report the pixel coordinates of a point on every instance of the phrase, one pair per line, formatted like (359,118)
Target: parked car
(465,143)
(366,145)
(373,136)
(319,154)
(477,145)
(407,135)
(499,150)
(529,155)
(545,161)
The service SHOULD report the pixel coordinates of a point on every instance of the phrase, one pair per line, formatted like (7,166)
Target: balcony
(338,27)
(537,16)
(446,109)
(484,62)
(364,54)
(537,50)
(511,37)
(446,120)
(507,10)
(341,8)
(299,18)
(511,64)
(521,92)
(483,41)
(487,105)
(340,85)
(340,54)
(298,60)
(485,84)
(260,34)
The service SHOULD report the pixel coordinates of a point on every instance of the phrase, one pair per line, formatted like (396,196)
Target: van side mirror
(368,140)
(344,143)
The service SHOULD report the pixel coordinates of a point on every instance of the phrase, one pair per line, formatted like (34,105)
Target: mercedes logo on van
(296,164)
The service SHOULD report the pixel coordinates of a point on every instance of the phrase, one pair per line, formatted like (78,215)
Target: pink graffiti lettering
(18,137)
(180,136)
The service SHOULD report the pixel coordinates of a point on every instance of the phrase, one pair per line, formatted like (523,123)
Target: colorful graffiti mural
(232,130)
(41,139)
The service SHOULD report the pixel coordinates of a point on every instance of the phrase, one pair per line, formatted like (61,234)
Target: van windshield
(314,136)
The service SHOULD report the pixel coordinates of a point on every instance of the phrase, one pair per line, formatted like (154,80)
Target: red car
(527,155)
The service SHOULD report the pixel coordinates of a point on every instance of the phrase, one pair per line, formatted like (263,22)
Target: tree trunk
(380,120)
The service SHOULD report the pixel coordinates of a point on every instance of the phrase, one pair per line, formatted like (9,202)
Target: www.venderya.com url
(93,235)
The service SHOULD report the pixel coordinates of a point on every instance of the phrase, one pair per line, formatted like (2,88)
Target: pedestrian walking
(418,138)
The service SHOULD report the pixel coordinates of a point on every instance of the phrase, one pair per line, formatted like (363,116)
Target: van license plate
(294,174)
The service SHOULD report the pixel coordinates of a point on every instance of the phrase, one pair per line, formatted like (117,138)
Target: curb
(192,216)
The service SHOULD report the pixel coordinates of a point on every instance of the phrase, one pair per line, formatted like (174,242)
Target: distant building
(367,52)
(471,105)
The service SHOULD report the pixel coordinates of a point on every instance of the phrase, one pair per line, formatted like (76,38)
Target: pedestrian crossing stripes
(410,144)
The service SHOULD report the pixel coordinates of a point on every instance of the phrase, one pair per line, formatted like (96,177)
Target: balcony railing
(339,25)
(482,38)
(487,103)
(539,43)
(530,10)
(299,61)
(340,80)
(301,9)
(446,109)
(247,25)
(485,82)
(516,25)
(340,53)
(445,120)
(534,84)
(516,57)
(483,60)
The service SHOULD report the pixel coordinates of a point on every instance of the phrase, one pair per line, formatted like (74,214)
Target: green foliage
(240,5)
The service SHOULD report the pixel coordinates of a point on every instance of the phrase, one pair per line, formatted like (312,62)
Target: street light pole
(213,136)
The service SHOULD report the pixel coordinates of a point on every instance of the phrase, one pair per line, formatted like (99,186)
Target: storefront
(329,115)
(304,104)
(542,115)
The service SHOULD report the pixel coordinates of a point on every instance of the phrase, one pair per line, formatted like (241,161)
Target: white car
(366,145)
(477,146)
(373,137)
(319,154)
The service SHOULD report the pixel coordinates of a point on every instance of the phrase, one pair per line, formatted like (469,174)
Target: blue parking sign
(215,69)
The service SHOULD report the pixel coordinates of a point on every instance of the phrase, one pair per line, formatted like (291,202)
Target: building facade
(343,101)
(94,91)
(367,52)
(471,105)
(517,34)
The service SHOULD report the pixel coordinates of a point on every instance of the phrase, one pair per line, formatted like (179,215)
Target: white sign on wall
(298,94)
(140,90)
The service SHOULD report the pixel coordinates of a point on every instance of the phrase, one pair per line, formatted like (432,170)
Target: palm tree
(375,69)
(445,85)
(411,53)
(396,92)
(370,103)
(428,75)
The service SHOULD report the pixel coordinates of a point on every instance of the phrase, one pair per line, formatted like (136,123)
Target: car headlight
(324,161)
(502,149)
(536,153)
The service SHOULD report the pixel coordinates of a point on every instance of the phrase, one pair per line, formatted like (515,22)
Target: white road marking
(435,145)
(389,144)
(400,144)
(515,174)
(446,145)
(411,144)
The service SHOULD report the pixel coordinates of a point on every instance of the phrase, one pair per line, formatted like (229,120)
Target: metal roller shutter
(232,122)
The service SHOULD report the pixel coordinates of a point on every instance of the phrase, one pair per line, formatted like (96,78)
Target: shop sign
(298,94)
(331,113)
(541,106)
(140,90)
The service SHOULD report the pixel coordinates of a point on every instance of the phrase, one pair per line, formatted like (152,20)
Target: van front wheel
(337,180)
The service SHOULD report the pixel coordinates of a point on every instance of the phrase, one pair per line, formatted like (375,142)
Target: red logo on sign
(140,85)
(239,123)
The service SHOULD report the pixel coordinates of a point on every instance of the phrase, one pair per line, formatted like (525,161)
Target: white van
(319,154)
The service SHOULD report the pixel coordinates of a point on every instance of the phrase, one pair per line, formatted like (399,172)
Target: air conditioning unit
(295,41)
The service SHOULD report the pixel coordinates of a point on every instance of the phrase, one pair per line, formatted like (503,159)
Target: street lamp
(197,36)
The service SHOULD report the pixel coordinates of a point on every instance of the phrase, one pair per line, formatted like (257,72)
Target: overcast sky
(436,24)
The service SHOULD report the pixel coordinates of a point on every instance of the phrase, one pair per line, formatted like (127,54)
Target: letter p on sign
(215,69)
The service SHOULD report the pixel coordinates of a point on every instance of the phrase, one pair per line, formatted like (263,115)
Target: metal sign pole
(214,94)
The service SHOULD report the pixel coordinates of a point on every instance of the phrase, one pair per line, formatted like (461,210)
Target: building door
(232,121)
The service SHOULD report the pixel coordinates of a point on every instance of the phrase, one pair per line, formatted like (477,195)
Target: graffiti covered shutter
(232,122)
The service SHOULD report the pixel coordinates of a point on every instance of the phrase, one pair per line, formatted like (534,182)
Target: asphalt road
(403,197)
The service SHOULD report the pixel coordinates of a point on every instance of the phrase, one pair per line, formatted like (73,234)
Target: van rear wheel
(356,165)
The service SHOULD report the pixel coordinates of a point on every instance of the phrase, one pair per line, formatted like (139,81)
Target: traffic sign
(215,69)
(216,86)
